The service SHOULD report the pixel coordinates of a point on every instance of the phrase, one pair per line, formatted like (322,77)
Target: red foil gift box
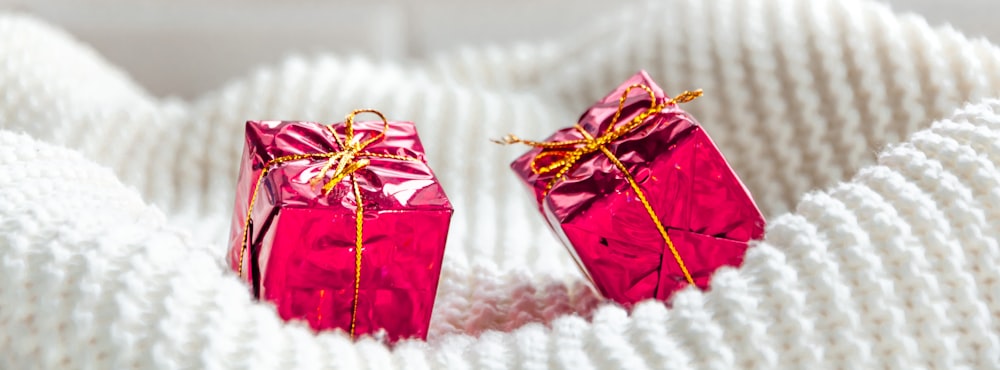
(342,225)
(640,195)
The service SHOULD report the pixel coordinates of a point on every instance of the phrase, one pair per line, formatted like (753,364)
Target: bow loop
(616,132)
(349,128)
(558,160)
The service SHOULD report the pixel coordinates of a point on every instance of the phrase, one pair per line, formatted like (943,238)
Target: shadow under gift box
(706,211)
(300,251)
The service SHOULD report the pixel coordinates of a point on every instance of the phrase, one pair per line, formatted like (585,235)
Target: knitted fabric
(881,248)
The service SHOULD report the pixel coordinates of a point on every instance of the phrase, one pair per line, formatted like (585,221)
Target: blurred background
(186,47)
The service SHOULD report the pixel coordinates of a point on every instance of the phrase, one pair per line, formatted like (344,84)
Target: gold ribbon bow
(565,154)
(345,162)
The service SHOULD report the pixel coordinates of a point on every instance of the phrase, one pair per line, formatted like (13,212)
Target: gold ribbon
(345,162)
(565,154)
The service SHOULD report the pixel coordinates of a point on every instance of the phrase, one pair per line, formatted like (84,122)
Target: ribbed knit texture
(881,249)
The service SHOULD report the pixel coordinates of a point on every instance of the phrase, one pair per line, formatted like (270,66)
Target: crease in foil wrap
(300,250)
(706,211)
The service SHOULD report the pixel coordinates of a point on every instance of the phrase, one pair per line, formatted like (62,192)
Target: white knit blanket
(848,123)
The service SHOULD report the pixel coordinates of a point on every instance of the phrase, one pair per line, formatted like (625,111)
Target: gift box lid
(397,177)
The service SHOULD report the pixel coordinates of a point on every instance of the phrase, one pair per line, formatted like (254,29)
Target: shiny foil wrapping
(300,251)
(706,211)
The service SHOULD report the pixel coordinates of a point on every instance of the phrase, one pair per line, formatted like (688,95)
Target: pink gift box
(585,180)
(298,247)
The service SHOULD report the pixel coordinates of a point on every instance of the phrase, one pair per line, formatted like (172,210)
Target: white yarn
(114,205)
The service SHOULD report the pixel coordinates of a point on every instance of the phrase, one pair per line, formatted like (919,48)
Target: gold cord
(358,221)
(568,153)
(344,163)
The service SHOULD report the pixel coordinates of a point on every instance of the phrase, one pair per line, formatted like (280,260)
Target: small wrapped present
(341,225)
(640,195)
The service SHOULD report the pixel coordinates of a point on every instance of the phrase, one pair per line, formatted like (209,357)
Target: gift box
(640,195)
(341,225)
